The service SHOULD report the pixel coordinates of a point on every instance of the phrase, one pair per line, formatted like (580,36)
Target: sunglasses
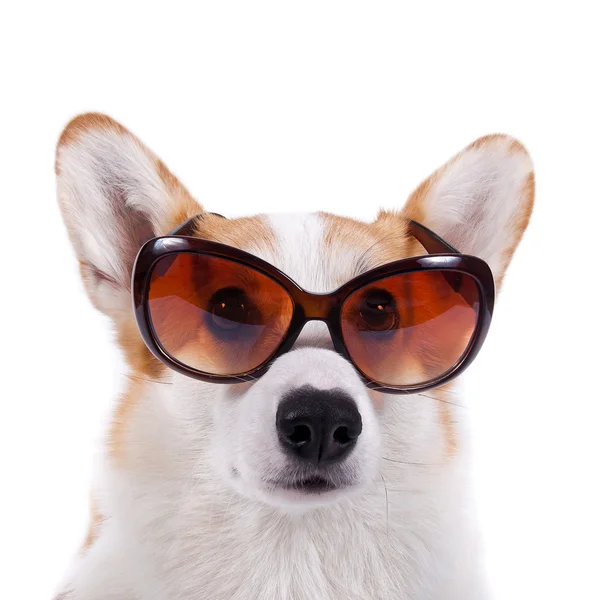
(219,314)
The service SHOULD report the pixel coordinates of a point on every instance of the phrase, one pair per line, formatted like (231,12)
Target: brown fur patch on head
(391,222)
(368,244)
(252,234)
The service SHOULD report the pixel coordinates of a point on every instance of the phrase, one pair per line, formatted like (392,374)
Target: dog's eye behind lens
(229,309)
(378,312)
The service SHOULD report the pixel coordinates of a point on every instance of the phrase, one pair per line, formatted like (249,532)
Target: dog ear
(114,195)
(480,201)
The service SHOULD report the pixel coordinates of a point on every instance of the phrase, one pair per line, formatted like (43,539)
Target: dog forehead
(308,252)
(319,251)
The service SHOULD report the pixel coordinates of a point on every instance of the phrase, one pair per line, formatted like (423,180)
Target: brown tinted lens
(411,328)
(215,315)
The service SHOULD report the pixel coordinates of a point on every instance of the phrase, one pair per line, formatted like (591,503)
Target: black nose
(318,426)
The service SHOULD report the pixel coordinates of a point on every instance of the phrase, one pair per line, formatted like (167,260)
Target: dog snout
(318,426)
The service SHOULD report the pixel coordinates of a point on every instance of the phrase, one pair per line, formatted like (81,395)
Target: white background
(342,107)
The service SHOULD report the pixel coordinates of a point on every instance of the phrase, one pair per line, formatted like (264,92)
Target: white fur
(188,516)
(185,529)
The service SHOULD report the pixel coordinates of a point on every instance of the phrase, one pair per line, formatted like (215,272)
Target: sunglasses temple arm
(187,227)
(432,242)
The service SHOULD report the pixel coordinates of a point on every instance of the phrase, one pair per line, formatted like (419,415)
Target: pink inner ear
(134,227)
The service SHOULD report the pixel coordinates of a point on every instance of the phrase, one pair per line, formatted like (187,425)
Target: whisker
(412,491)
(226,514)
(245,379)
(383,389)
(406,462)
(138,377)
(378,388)
(387,507)
(442,400)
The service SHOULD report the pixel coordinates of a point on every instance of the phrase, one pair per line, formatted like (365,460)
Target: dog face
(308,432)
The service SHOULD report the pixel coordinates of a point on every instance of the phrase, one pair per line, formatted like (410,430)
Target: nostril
(342,435)
(301,434)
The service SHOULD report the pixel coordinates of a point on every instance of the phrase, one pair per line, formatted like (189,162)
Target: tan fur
(96,520)
(522,220)
(117,432)
(443,397)
(385,240)
(141,361)
(186,205)
(253,234)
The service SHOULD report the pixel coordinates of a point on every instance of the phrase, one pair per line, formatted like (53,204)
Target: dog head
(115,195)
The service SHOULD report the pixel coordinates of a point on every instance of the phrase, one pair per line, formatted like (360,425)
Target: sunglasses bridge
(317,307)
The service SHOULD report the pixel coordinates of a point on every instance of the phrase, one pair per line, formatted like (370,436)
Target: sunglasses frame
(308,306)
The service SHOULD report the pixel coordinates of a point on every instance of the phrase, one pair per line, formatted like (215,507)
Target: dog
(196,496)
